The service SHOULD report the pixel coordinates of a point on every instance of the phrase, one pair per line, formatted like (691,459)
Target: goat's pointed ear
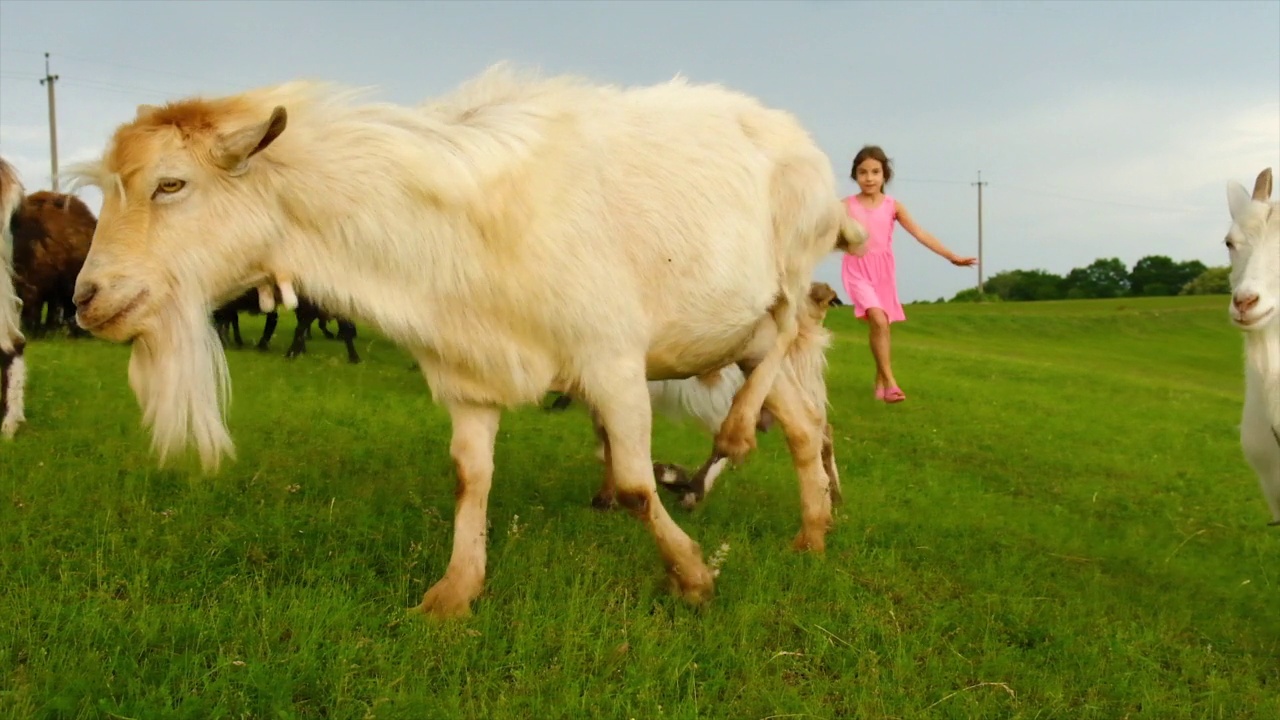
(1262,186)
(236,147)
(1237,199)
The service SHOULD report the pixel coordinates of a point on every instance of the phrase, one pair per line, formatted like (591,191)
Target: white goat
(13,368)
(1253,242)
(518,236)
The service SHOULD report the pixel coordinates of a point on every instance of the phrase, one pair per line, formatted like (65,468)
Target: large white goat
(1253,242)
(13,368)
(519,235)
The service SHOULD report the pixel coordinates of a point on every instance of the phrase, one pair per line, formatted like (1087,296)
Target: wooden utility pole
(53,124)
(979,184)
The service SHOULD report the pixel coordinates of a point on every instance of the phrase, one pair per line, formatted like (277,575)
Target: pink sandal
(893,395)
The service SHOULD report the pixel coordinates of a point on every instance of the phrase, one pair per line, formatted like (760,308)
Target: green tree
(1213,281)
(972,295)
(1022,285)
(1160,275)
(1104,278)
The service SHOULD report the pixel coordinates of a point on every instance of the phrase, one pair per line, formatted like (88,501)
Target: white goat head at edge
(1253,242)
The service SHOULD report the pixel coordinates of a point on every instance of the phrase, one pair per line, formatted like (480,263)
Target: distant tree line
(1105,278)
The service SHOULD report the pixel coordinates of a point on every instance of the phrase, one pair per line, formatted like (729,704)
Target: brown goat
(51,237)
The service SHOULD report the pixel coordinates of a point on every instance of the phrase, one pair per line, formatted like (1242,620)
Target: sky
(1102,129)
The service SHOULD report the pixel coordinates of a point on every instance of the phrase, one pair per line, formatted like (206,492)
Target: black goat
(227,321)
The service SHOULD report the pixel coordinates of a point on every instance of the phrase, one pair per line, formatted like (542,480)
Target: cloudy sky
(1103,129)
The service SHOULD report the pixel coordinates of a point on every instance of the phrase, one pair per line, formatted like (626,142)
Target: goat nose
(84,294)
(1244,302)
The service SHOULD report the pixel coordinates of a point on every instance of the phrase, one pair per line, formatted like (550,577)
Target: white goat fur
(13,378)
(694,398)
(1254,246)
(518,235)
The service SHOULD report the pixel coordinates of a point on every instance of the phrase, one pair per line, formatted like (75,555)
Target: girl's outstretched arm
(928,240)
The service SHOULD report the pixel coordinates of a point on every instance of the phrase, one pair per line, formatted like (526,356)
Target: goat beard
(178,372)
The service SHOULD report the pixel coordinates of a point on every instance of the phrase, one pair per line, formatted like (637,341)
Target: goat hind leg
(829,464)
(620,395)
(804,429)
(737,435)
(475,429)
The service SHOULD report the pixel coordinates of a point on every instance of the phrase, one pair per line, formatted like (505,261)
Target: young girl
(870,280)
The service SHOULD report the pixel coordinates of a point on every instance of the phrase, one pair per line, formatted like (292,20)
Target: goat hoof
(672,477)
(736,439)
(809,540)
(692,581)
(604,501)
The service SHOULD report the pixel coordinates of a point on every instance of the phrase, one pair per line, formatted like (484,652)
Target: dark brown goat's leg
(268,330)
(347,333)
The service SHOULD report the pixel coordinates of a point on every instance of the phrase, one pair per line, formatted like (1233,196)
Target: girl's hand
(962,261)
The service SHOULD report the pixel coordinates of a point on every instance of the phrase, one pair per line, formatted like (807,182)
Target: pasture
(1058,523)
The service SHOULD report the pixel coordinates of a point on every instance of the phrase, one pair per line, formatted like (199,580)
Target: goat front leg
(620,395)
(475,429)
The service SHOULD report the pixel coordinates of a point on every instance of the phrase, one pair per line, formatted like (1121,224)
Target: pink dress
(871,280)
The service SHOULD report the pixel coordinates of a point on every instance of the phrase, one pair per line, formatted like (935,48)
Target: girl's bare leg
(878,322)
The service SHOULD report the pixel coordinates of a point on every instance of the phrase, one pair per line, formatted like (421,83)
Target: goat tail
(705,398)
(851,236)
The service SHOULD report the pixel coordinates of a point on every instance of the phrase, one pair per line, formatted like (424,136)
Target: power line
(122,66)
(113,87)
(932,182)
(1097,201)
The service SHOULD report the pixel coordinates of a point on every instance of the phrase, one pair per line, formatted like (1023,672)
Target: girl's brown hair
(872,152)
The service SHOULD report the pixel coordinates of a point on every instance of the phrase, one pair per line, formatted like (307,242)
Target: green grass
(1058,523)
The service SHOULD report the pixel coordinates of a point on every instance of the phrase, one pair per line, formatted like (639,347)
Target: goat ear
(1262,186)
(236,147)
(1237,199)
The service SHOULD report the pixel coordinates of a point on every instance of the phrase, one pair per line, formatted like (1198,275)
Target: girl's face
(870,175)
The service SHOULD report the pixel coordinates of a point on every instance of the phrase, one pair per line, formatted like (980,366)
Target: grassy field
(1058,523)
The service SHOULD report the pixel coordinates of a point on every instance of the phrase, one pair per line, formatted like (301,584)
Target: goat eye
(168,186)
